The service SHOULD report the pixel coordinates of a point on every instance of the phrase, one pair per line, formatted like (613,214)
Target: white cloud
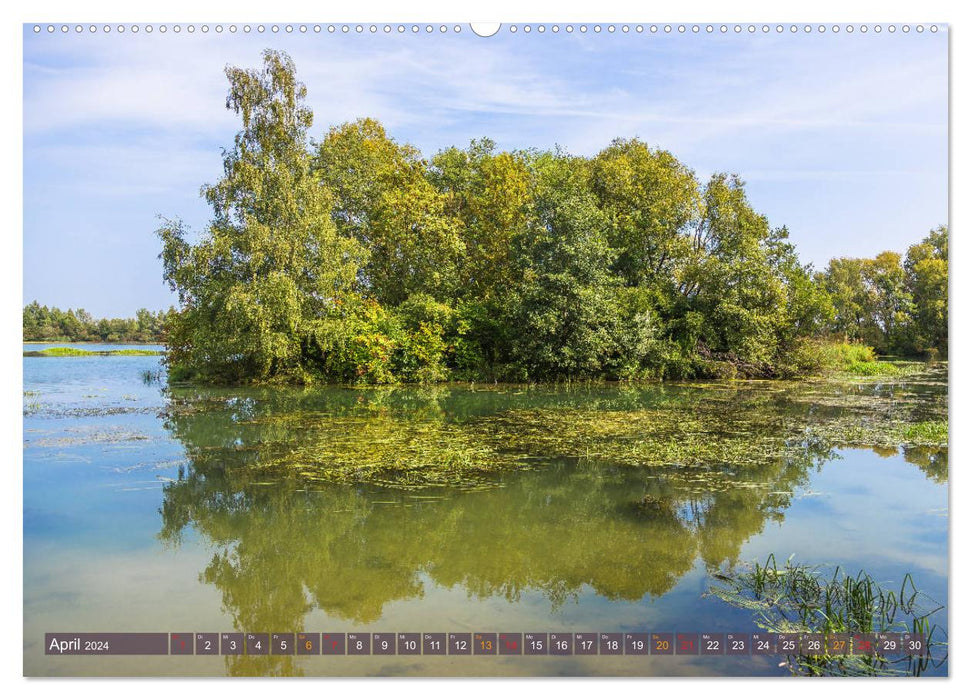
(779,85)
(138,121)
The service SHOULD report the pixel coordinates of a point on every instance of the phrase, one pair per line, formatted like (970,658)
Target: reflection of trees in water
(286,544)
(262,666)
(930,460)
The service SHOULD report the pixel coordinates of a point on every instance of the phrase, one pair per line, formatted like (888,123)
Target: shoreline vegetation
(356,259)
(839,361)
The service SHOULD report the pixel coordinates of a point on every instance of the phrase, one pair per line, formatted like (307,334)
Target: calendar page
(469,350)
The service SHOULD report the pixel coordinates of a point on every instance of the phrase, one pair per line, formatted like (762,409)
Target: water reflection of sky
(94,558)
(882,509)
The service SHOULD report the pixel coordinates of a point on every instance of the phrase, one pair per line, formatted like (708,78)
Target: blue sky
(843,138)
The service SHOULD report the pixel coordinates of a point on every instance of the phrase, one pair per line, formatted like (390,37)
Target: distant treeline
(894,304)
(50,324)
(355,258)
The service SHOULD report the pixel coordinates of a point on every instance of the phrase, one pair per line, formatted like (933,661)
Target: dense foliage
(356,259)
(52,325)
(893,305)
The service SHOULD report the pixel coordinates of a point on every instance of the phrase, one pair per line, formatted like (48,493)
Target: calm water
(153,511)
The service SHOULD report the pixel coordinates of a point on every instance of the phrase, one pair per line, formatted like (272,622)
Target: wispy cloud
(133,124)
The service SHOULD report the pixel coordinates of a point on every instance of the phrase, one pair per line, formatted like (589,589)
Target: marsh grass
(797,598)
(150,377)
(877,368)
(849,360)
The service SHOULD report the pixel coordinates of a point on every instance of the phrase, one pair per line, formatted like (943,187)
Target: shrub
(427,325)
(355,344)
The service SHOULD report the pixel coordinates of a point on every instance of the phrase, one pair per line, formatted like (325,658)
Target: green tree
(383,199)
(488,193)
(889,300)
(927,279)
(870,299)
(730,283)
(41,323)
(650,199)
(355,259)
(561,316)
(271,264)
(844,282)
(808,307)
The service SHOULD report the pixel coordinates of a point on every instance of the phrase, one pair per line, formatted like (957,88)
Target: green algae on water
(417,438)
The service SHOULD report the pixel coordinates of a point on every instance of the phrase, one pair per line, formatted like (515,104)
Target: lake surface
(584,509)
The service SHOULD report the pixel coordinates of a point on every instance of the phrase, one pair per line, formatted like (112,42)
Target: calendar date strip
(481,644)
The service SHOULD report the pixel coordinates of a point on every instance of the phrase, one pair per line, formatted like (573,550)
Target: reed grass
(803,599)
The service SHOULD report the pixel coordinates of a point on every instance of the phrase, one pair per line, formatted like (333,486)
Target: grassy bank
(848,360)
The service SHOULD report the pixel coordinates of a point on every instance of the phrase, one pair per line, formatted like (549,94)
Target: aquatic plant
(150,377)
(927,433)
(803,599)
(416,438)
